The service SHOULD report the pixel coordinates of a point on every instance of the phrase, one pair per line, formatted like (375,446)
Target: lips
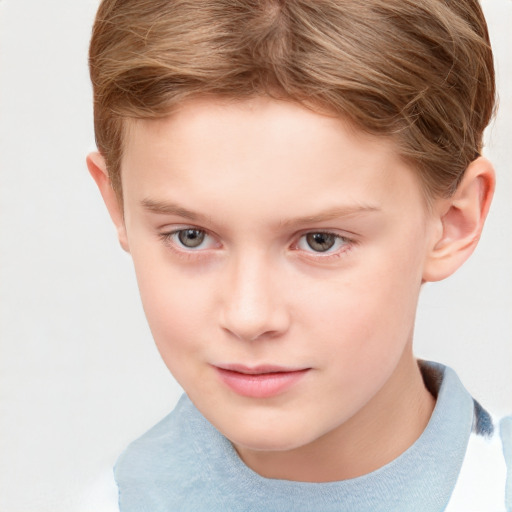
(260,381)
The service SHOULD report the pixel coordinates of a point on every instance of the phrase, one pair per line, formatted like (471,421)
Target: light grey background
(79,375)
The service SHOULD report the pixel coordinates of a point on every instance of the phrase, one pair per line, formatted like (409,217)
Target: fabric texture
(482,480)
(185,464)
(506,438)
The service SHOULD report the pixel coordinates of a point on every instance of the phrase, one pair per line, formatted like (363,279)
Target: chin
(269,438)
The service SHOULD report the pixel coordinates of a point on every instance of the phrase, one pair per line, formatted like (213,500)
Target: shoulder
(156,444)
(166,467)
(150,468)
(485,478)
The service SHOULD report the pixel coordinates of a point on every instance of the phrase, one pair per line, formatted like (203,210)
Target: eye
(322,242)
(191,238)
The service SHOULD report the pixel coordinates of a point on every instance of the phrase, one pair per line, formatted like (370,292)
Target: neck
(386,427)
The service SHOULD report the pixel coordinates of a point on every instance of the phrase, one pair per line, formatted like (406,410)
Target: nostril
(263,324)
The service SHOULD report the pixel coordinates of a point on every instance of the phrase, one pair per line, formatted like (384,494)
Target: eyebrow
(331,214)
(166,208)
(169,208)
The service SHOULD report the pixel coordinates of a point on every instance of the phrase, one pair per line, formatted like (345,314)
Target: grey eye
(321,242)
(191,238)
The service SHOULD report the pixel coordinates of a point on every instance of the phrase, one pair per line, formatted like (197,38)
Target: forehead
(279,151)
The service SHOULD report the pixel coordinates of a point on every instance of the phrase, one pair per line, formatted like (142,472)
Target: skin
(255,177)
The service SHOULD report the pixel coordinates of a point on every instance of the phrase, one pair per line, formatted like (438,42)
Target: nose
(254,306)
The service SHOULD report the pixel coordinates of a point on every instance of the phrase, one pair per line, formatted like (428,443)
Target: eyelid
(168,237)
(347,235)
(350,242)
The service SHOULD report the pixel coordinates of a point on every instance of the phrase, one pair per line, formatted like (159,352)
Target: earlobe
(98,170)
(461,219)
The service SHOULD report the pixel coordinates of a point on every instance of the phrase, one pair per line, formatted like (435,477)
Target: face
(279,255)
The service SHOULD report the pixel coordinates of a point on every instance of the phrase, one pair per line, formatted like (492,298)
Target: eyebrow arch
(166,208)
(331,214)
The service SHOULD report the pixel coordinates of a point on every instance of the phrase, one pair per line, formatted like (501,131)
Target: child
(286,175)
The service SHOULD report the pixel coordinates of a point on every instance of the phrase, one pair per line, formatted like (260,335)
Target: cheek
(176,307)
(369,313)
(176,316)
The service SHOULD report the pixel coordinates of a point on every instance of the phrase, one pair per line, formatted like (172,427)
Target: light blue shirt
(185,464)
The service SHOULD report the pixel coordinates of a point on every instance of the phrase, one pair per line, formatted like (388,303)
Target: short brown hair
(418,71)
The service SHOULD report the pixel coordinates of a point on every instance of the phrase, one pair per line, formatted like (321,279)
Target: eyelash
(169,240)
(347,245)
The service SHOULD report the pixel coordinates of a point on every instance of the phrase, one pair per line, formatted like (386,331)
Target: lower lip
(262,385)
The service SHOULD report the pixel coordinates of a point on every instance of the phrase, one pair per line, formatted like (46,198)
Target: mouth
(259,381)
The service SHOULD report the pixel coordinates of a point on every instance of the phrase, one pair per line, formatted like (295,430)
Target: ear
(460,220)
(98,169)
